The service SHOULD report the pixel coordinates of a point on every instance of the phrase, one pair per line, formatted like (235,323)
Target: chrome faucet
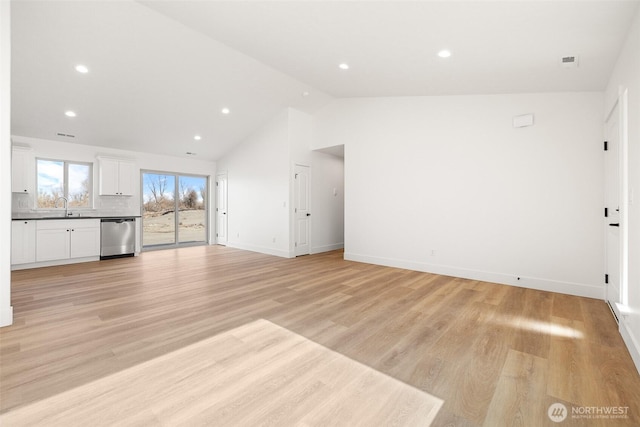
(66,205)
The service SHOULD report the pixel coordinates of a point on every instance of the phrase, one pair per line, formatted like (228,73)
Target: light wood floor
(216,336)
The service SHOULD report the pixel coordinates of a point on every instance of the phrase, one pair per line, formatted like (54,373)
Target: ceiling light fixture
(444,53)
(197,137)
(70,114)
(343,66)
(82,69)
(225,111)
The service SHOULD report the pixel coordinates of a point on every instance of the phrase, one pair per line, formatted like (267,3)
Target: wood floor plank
(305,341)
(520,397)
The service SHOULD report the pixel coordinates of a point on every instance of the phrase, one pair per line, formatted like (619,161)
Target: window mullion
(66,182)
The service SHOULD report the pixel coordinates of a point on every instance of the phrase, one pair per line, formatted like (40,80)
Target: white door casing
(302,210)
(221,209)
(613,224)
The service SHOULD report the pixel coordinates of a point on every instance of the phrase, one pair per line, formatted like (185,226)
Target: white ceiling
(161,71)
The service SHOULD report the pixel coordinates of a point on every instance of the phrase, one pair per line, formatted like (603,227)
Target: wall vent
(569,61)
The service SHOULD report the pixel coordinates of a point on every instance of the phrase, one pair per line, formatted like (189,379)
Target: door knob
(308,214)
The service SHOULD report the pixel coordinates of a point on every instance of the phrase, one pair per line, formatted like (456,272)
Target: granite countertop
(35,216)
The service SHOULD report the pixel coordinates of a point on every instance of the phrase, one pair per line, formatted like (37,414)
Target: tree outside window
(59,178)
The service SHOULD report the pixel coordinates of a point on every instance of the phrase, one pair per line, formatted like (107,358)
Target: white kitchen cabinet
(23,242)
(22,170)
(116,177)
(67,238)
(85,241)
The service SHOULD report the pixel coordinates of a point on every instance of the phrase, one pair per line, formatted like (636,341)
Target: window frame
(65,183)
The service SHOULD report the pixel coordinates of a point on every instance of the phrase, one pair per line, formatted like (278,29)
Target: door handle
(614,225)
(308,214)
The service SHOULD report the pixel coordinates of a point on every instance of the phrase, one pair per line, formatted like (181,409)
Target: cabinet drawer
(55,224)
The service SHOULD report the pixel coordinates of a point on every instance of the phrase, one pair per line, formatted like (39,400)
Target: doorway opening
(174,210)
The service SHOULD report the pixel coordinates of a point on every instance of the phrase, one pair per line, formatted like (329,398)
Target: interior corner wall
(327,185)
(626,77)
(258,190)
(447,185)
(6,309)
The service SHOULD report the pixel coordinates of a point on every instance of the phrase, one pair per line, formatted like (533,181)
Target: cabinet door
(109,177)
(126,178)
(52,244)
(21,167)
(85,242)
(23,242)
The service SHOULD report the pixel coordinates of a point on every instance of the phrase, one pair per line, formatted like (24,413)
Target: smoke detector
(569,62)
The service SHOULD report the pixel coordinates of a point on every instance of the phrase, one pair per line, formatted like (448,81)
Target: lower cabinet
(67,238)
(23,242)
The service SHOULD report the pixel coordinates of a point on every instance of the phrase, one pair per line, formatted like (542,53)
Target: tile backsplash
(103,205)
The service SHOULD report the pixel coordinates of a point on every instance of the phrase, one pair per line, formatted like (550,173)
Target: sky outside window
(51,183)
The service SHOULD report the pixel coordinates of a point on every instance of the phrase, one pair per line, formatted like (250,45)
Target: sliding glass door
(192,212)
(174,209)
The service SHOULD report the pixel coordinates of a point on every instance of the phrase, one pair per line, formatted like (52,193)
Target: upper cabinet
(116,177)
(22,170)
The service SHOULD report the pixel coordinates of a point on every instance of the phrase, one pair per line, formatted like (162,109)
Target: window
(59,178)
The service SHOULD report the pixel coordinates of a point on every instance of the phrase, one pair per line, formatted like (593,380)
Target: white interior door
(612,223)
(221,209)
(302,210)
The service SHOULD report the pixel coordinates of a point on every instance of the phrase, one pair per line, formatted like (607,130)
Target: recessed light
(82,69)
(70,114)
(225,111)
(197,137)
(444,53)
(343,66)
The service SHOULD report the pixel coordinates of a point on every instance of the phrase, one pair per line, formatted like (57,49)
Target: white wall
(258,190)
(447,185)
(626,76)
(327,175)
(110,205)
(6,310)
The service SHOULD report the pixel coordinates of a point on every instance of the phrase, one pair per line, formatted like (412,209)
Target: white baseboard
(6,316)
(55,262)
(631,342)
(261,249)
(570,288)
(327,248)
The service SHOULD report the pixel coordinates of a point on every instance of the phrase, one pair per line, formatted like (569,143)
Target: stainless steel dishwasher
(117,237)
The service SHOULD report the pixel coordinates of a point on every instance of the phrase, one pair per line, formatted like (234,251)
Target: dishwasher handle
(117,220)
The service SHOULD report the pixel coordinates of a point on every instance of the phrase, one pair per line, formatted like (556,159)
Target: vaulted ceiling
(161,72)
